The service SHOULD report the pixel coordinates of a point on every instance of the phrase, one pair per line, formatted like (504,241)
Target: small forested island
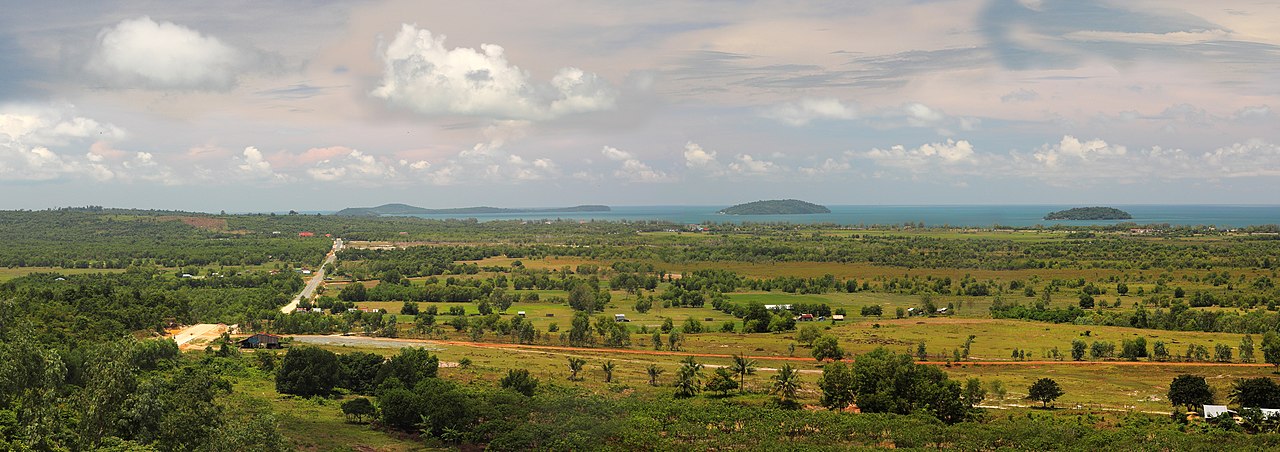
(1089,213)
(775,207)
(405,209)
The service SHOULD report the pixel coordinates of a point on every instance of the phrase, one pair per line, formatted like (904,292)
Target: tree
(411,365)
(1044,390)
(1271,348)
(722,380)
(837,386)
(742,366)
(359,371)
(519,381)
(580,331)
(1159,352)
(921,353)
(608,367)
(1190,391)
(885,382)
(575,366)
(1086,301)
(1261,392)
(583,298)
(827,347)
(353,292)
(1122,288)
(308,371)
(974,393)
(688,378)
(786,384)
(1077,350)
(1246,349)
(808,334)
(997,389)
(358,409)
(654,371)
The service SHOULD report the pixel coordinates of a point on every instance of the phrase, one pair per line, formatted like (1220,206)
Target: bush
(519,381)
(358,409)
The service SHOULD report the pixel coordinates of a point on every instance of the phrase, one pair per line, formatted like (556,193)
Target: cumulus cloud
(926,156)
(827,166)
(489,162)
(253,165)
(802,112)
(355,166)
(700,159)
(143,53)
(632,169)
(28,133)
(746,164)
(916,114)
(422,74)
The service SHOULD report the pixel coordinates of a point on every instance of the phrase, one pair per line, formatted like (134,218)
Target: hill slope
(775,207)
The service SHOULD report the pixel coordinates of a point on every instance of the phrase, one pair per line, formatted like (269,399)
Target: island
(775,207)
(405,209)
(1089,213)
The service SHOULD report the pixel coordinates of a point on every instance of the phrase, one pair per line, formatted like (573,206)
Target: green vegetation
(405,209)
(714,347)
(1089,213)
(775,207)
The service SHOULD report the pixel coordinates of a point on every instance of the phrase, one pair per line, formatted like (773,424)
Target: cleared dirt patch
(207,223)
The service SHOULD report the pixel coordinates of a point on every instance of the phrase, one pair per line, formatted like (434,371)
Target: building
(306,234)
(837,317)
(261,340)
(620,318)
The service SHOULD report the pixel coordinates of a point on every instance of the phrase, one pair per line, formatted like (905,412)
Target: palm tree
(608,367)
(742,367)
(654,372)
(786,383)
(689,378)
(575,366)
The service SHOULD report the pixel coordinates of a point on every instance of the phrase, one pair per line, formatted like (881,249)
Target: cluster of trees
(123,394)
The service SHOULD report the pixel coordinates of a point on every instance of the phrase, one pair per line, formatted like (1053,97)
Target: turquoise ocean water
(954,215)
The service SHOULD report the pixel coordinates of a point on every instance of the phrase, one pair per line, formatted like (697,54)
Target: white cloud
(746,164)
(616,154)
(697,158)
(421,74)
(806,110)
(27,133)
(488,162)
(924,157)
(828,166)
(253,165)
(632,170)
(143,53)
(356,166)
(1075,152)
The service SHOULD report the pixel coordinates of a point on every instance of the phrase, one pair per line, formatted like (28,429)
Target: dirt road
(316,278)
(200,333)
(396,342)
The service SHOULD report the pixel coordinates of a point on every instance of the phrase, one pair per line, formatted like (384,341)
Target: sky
(315,105)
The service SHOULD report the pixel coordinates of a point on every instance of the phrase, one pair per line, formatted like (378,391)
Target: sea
(1220,216)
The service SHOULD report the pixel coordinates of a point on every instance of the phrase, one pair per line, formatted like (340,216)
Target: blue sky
(273,105)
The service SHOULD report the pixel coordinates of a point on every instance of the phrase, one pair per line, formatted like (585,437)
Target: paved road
(316,278)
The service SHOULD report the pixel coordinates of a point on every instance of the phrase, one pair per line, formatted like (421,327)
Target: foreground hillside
(633,335)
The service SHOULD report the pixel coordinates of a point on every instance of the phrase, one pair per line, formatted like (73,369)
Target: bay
(1221,216)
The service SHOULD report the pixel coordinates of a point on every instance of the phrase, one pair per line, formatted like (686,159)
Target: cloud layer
(422,74)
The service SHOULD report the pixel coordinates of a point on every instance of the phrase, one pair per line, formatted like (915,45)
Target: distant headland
(775,207)
(405,209)
(1089,213)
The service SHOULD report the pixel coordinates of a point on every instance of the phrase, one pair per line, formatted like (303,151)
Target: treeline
(94,307)
(81,239)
